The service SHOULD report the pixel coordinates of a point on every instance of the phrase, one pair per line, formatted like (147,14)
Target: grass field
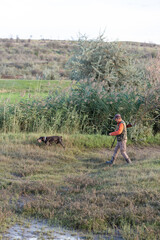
(74,187)
(15,90)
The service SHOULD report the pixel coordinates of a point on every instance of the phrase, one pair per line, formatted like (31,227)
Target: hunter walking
(121,134)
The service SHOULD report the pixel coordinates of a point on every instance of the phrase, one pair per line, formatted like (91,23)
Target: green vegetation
(108,80)
(107,62)
(75,188)
(16,90)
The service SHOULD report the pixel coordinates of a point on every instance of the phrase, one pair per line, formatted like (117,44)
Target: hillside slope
(34,59)
(47,59)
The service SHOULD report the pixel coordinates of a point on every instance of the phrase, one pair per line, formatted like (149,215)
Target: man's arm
(119,131)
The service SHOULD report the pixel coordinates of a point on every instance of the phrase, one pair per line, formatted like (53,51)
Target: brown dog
(49,140)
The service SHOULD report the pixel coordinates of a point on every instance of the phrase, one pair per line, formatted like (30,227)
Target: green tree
(107,62)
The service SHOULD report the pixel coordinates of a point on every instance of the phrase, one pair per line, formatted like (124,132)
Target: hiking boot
(128,160)
(110,162)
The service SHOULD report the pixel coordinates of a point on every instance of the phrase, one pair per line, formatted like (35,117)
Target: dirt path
(97,158)
(136,152)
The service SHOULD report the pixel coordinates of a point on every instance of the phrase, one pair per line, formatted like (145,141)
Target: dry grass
(75,188)
(35,59)
(47,59)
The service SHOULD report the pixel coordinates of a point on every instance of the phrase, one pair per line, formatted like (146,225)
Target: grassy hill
(34,59)
(47,59)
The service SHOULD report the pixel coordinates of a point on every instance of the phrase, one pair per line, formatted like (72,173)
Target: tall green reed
(88,107)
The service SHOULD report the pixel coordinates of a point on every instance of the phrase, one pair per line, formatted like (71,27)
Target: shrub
(104,61)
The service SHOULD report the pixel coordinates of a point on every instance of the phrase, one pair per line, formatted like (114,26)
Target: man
(121,133)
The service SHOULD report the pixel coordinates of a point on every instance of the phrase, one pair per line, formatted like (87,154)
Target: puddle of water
(34,230)
(37,230)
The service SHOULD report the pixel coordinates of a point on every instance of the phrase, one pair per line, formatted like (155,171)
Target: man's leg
(116,151)
(123,151)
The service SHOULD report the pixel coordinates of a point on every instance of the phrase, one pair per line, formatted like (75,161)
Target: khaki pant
(121,146)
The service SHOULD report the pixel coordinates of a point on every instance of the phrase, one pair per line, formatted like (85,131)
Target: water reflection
(35,230)
(38,230)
